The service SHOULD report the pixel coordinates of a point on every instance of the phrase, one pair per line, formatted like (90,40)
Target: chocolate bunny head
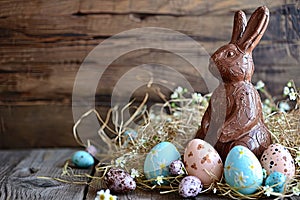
(233,62)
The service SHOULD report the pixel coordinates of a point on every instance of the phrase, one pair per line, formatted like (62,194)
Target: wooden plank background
(43,43)
(20,172)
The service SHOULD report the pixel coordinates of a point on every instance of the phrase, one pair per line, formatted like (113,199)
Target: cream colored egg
(277,158)
(203,161)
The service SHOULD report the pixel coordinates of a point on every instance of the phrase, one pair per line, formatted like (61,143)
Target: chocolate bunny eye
(230,54)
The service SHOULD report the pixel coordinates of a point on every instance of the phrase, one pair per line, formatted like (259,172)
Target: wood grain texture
(52,80)
(20,171)
(294,198)
(43,44)
(161,7)
(39,126)
(43,48)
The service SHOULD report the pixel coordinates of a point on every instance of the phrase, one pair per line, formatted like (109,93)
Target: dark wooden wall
(43,43)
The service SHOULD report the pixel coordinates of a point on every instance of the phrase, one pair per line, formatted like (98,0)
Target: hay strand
(179,126)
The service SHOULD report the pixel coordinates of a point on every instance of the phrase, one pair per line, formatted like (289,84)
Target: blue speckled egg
(82,159)
(242,170)
(278,179)
(158,160)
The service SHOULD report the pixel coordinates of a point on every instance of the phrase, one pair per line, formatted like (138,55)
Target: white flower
(268,190)
(229,168)
(252,167)
(284,106)
(154,152)
(174,95)
(197,97)
(112,197)
(260,85)
(292,94)
(241,153)
(267,101)
(142,141)
(264,173)
(204,102)
(162,164)
(177,114)
(289,84)
(240,178)
(134,173)
(120,162)
(159,180)
(168,119)
(101,195)
(215,190)
(296,189)
(266,109)
(179,90)
(286,91)
(152,116)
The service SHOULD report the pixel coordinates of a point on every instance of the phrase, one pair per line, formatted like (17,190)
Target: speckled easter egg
(158,160)
(242,170)
(276,180)
(277,158)
(82,159)
(119,181)
(203,161)
(91,149)
(176,167)
(190,186)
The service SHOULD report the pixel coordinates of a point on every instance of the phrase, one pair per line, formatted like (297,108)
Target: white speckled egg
(158,160)
(242,170)
(277,158)
(203,161)
(176,168)
(190,186)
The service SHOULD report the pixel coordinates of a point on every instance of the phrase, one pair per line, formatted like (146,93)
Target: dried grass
(178,127)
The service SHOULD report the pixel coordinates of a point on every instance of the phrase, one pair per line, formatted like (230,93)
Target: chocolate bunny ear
(239,25)
(255,29)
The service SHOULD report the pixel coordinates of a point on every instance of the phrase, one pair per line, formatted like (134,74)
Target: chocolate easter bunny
(234,114)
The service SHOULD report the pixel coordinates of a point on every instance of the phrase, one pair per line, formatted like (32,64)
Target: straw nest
(177,121)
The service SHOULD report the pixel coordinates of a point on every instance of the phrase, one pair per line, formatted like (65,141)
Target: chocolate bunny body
(235,111)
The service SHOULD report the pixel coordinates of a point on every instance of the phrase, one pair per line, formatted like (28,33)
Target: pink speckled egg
(176,168)
(277,158)
(203,161)
(190,186)
(119,181)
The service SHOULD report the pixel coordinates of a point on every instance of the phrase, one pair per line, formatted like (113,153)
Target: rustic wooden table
(20,171)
